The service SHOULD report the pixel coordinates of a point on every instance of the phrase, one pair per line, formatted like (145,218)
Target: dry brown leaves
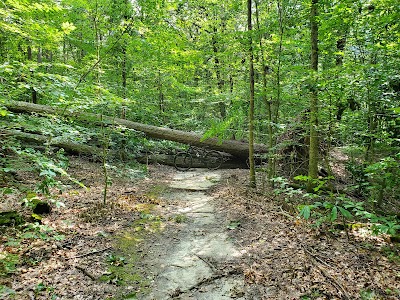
(284,258)
(71,268)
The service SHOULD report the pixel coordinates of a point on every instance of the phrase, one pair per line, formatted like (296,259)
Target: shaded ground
(164,239)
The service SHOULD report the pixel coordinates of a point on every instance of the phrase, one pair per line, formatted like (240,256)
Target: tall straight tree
(313,151)
(251,108)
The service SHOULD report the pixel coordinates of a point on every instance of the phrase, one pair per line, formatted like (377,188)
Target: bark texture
(313,150)
(41,139)
(233,147)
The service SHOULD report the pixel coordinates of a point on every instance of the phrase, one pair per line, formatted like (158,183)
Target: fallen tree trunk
(70,147)
(168,159)
(94,152)
(236,148)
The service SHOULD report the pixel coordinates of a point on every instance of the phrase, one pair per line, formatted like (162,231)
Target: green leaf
(302,178)
(334,213)
(345,212)
(306,212)
(3,112)
(37,217)
(396,110)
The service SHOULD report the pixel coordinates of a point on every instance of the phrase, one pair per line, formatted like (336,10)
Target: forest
(299,99)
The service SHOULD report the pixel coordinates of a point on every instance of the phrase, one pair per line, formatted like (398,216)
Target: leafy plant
(316,182)
(233,224)
(8,263)
(33,231)
(384,178)
(181,218)
(116,260)
(346,209)
(47,168)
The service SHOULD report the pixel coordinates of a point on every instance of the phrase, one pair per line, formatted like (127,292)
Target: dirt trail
(195,264)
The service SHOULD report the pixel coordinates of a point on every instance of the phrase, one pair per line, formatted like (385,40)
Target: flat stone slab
(190,267)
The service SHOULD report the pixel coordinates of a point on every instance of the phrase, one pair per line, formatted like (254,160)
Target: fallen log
(95,152)
(168,159)
(70,147)
(235,148)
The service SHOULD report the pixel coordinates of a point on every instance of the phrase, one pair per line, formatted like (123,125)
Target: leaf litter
(282,257)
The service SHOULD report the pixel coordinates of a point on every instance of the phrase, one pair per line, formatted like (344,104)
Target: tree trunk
(251,108)
(74,148)
(236,148)
(267,103)
(313,151)
(41,139)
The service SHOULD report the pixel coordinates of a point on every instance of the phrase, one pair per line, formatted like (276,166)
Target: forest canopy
(185,65)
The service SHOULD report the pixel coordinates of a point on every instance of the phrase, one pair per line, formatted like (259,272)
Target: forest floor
(188,235)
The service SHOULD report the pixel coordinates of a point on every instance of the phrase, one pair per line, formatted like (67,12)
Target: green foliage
(318,183)
(8,264)
(48,168)
(38,231)
(116,260)
(326,211)
(181,218)
(377,181)
(384,178)
(42,288)
(345,209)
(233,225)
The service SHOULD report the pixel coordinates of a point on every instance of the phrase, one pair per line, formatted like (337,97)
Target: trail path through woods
(196,264)
(166,236)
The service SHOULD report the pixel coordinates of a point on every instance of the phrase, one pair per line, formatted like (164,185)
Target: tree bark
(235,148)
(313,150)
(74,148)
(251,108)
(41,139)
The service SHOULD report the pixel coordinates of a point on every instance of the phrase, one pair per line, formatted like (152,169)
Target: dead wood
(178,292)
(331,279)
(168,159)
(235,148)
(90,253)
(70,147)
(86,273)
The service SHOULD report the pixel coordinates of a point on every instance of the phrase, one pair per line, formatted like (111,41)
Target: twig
(258,237)
(282,212)
(207,262)
(90,253)
(315,256)
(332,280)
(178,292)
(86,273)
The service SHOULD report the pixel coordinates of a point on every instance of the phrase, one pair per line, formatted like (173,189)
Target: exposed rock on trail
(196,264)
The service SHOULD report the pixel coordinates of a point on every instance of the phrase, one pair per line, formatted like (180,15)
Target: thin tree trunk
(313,151)
(271,144)
(251,108)
(160,94)
(220,81)
(33,91)
(124,71)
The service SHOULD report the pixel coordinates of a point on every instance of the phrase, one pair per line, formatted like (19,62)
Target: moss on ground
(123,269)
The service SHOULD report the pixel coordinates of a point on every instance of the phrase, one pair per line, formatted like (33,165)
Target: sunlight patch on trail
(199,180)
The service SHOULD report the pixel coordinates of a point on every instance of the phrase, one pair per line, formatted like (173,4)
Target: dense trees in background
(185,65)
